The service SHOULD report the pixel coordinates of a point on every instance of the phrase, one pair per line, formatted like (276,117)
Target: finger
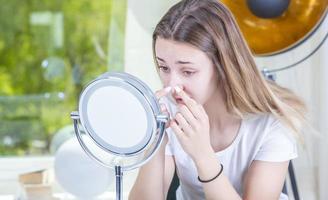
(188,115)
(183,124)
(167,124)
(160,93)
(190,103)
(177,130)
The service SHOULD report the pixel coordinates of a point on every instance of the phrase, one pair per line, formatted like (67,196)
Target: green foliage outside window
(48,51)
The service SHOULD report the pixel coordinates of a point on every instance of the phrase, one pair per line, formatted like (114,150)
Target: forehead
(173,51)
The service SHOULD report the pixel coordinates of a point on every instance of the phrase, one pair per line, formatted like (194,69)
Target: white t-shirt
(260,137)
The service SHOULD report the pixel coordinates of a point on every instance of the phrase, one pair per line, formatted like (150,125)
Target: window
(48,51)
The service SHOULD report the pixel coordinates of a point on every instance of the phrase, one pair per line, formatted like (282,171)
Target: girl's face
(181,64)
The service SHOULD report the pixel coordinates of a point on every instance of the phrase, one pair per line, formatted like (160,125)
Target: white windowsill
(11,167)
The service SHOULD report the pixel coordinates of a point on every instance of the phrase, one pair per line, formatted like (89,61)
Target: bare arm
(264,180)
(154,177)
(169,173)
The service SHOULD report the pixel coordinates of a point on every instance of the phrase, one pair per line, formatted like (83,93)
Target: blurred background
(49,50)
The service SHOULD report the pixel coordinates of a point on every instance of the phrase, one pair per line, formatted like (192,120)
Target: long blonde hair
(210,26)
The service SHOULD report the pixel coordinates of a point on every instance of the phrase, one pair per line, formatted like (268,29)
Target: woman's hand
(191,126)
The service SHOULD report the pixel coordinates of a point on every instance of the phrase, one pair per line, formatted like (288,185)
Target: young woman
(232,133)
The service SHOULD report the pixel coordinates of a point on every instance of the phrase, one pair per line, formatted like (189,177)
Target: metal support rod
(119,183)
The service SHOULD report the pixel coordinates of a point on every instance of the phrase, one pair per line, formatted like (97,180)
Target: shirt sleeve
(278,144)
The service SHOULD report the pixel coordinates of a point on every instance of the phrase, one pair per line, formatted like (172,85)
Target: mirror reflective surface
(112,114)
(116,116)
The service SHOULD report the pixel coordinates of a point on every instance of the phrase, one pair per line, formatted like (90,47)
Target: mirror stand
(161,120)
(118,168)
(119,98)
(119,183)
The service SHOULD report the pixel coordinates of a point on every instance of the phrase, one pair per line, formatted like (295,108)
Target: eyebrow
(178,62)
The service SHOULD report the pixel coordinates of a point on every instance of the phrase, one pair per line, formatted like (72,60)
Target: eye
(163,68)
(188,73)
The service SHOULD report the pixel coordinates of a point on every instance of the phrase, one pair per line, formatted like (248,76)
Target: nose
(174,80)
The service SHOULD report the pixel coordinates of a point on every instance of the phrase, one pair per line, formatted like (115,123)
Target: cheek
(163,79)
(202,92)
(194,91)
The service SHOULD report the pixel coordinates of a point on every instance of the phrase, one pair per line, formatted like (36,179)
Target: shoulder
(266,124)
(263,120)
(274,141)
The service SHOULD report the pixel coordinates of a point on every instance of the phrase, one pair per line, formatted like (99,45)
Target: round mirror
(122,116)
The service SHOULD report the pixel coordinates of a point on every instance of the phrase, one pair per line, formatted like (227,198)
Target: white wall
(323,119)
(142,17)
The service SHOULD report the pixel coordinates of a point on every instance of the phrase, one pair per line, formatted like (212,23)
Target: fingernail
(168,89)
(177,89)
